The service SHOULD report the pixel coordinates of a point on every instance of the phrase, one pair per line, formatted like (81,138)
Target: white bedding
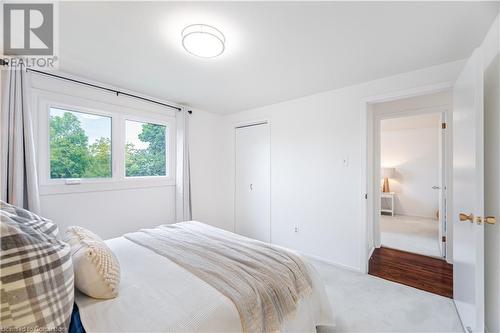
(157,295)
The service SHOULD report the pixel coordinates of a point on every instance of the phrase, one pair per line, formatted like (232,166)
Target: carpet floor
(411,234)
(364,303)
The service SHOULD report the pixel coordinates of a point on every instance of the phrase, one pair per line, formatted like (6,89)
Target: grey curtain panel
(183,211)
(19,180)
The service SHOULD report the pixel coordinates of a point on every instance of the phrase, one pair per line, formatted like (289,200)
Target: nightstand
(387,202)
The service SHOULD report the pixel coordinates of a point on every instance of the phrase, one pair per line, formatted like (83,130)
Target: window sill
(101,186)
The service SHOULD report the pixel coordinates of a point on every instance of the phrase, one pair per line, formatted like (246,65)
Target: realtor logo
(28,29)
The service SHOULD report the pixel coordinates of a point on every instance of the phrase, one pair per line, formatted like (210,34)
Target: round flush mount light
(203,40)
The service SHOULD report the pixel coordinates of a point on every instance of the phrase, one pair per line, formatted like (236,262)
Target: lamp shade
(388,172)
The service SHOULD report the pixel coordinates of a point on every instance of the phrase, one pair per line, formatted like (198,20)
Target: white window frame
(43,101)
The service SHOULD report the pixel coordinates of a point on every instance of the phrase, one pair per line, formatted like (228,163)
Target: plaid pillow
(37,290)
(23,216)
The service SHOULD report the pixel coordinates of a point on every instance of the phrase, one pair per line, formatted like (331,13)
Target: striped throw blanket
(264,282)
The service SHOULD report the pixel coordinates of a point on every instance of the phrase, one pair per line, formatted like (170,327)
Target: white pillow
(97,270)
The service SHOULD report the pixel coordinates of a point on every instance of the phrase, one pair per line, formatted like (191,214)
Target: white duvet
(157,295)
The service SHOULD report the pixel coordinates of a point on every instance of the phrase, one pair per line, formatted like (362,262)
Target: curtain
(183,209)
(19,180)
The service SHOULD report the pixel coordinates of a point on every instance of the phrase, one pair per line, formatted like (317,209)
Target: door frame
(445,166)
(370,184)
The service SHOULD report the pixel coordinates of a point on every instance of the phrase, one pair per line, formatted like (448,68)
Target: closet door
(253,182)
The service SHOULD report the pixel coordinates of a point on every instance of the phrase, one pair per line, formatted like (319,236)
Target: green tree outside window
(73,156)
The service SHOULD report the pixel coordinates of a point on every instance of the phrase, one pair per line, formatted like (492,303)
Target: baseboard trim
(370,253)
(366,262)
(415,215)
(328,262)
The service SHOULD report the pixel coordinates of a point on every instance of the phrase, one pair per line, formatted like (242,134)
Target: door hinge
(443,239)
(443,125)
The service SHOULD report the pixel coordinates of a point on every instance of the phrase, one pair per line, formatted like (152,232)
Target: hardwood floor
(421,272)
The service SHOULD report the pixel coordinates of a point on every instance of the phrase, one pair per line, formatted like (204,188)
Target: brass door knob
(465,217)
(490,219)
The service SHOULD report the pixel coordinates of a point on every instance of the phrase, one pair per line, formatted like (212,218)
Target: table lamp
(386,174)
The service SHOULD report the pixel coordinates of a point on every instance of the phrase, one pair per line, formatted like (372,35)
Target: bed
(158,295)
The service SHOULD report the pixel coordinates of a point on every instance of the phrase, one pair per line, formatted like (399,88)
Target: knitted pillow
(36,279)
(29,219)
(97,271)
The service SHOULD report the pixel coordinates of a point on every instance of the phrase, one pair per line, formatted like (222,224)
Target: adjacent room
(413,146)
(410,219)
(204,166)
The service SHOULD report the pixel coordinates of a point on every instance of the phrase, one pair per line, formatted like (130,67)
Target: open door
(468,195)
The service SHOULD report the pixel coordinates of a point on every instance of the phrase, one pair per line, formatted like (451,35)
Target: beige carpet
(364,303)
(412,234)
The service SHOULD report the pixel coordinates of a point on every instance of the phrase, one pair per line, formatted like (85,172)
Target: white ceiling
(275,51)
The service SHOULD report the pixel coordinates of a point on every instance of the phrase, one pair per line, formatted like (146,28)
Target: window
(145,149)
(101,145)
(80,145)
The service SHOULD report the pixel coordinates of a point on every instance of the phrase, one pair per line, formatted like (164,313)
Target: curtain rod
(117,92)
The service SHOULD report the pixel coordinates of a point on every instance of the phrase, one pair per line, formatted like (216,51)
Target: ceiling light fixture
(203,40)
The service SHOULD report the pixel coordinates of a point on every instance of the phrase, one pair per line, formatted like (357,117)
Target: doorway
(409,149)
(409,169)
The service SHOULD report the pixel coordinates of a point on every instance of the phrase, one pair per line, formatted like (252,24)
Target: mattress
(157,295)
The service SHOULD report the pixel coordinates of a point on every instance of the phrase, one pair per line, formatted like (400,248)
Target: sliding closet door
(253,182)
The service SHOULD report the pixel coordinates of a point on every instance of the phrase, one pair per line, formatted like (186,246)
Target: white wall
(414,153)
(207,174)
(112,213)
(491,48)
(310,186)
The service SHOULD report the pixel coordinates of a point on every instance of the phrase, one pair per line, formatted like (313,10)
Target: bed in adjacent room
(191,277)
